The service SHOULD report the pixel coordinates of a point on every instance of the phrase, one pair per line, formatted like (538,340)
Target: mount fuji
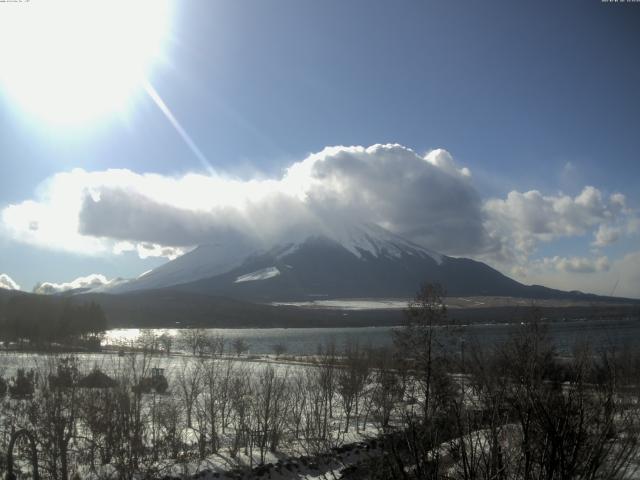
(356,261)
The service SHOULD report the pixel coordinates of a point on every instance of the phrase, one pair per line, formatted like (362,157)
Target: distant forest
(42,320)
(33,317)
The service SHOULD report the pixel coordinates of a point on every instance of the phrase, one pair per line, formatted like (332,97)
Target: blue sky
(528,96)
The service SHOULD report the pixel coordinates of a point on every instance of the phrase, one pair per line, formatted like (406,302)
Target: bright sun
(70,61)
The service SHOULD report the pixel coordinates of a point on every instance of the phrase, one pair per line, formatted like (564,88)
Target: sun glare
(70,61)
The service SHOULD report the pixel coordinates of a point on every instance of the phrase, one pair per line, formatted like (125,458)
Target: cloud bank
(429,199)
(523,220)
(577,264)
(90,281)
(611,277)
(7,282)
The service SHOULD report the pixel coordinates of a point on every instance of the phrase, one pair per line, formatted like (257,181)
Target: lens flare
(71,61)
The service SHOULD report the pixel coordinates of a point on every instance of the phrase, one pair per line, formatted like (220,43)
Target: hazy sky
(535,106)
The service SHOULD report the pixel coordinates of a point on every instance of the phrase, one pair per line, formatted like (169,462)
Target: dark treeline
(42,320)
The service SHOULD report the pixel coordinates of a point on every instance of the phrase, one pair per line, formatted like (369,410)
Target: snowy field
(301,405)
(109,362)
(451,302)
(311,442)
(351,304)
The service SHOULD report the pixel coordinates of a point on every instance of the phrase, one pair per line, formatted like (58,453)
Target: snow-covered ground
(294,459)
(352,304)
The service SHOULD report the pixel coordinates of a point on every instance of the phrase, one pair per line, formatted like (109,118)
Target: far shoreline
(328,318)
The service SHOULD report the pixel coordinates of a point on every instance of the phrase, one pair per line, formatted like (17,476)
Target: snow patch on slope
(263,274)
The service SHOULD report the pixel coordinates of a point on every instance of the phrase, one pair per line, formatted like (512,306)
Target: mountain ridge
(354,261)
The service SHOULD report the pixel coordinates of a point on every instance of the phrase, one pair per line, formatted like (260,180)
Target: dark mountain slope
(322,268)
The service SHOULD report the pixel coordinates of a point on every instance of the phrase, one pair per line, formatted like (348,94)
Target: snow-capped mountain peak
(374,240)
(248,261)
(363,241)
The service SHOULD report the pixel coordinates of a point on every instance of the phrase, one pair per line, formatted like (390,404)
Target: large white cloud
(599,275)
(8,283)
(426,198)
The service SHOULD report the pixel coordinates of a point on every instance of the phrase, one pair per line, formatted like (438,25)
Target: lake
(301,341)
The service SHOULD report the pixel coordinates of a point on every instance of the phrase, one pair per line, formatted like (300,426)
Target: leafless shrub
(240,346)
(279,349)
(352,379)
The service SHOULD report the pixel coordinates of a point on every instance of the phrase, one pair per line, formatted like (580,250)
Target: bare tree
(420,351)
(129,413)
(169,417)
(279,349)
(387,391)
(269,408)
(240,346)
(97,413)
(189,382)
(166,341)
(217,377)
(297,403)
(351,380)
(327,362)
(318,434)
(215,344)
(241,400)
(419,342)
(193,339)
(57,414)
